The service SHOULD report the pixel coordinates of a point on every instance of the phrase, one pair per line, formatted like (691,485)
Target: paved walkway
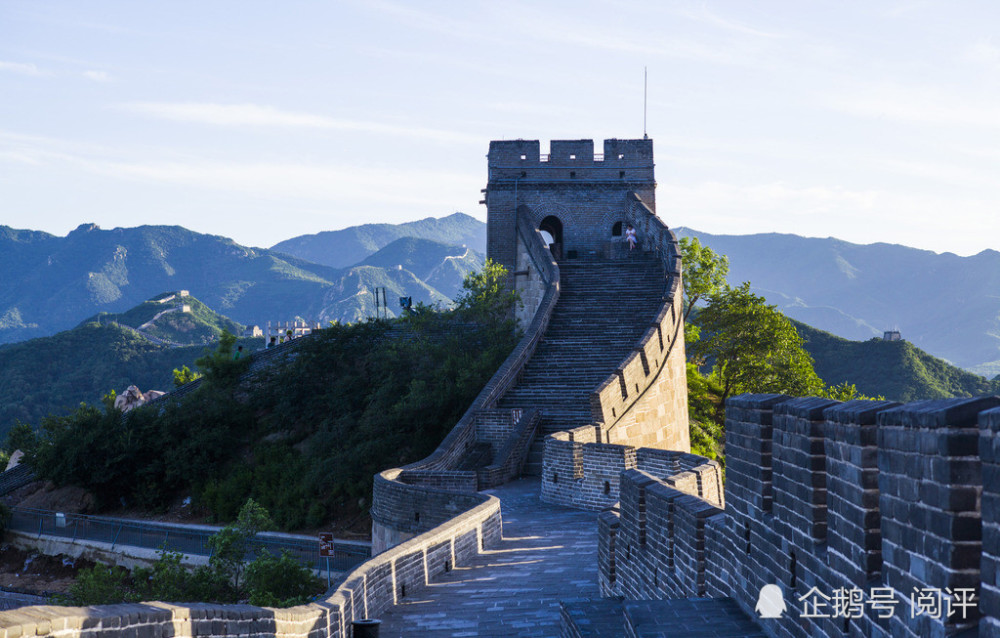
(547,554)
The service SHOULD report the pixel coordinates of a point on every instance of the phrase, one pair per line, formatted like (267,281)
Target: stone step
(592,618)
(604,308)
(479,456)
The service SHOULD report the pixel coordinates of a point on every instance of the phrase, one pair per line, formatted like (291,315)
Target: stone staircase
(604,307)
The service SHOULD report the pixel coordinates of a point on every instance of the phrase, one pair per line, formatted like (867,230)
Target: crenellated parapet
(649,387)
(582,472)
(623,161)
(897,502)
(584,194)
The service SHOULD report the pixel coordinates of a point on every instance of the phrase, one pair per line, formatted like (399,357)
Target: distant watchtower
(578,198)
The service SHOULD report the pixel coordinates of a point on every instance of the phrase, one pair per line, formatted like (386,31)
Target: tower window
(616,230)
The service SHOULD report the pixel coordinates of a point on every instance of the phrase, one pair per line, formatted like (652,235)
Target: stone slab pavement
(548,553)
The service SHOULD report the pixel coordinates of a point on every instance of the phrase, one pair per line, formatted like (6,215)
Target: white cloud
(267,116)
(21,68)
(98,76)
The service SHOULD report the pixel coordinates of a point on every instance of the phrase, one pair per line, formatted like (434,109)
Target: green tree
(92,447)
(706,415)
(704,272)
(752,347)
(101,585)
(845,391)
(218,366)
(231,544)
(21,437)
(486,293)
(276,581)
(280,581)
(184,375)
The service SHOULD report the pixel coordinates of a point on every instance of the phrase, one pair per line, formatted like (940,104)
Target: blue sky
(867,121)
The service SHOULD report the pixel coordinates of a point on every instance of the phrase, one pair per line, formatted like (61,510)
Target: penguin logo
(771,603)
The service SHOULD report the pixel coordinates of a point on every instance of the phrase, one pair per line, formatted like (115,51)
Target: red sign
(326,544)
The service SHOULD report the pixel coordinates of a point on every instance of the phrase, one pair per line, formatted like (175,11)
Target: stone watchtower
(575,196)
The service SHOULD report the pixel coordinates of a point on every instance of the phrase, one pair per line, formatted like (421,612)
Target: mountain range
(342,248)
(109,284)
(944,304)
(52,283)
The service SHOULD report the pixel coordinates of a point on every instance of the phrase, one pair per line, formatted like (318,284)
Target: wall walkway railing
(186,539)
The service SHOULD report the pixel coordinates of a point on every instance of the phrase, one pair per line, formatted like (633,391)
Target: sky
(870,121)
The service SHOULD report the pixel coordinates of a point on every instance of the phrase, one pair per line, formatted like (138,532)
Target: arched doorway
(552,231)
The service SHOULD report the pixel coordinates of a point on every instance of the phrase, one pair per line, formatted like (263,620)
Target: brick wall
(588,194)
(989,455)
(644,401)
(494,426)
(820,496)
(579,472)
(534,271)
(854,536)
(659,544)
(510,456)
(930,481)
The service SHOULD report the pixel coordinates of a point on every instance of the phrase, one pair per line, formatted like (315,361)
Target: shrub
(101,585)
(280,581)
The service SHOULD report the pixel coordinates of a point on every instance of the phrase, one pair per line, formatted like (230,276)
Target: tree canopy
(705,272)
(752,347)
(736,343)
(303,435)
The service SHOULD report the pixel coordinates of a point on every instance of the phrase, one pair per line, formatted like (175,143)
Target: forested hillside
(398,387)
(172,319)
(52,375)
(897,370)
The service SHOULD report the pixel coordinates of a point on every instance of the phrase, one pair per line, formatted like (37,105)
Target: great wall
(591,406)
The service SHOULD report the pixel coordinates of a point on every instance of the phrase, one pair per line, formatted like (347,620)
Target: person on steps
(630,236)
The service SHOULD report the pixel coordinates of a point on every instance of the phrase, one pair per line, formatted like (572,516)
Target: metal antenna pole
(645,91)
